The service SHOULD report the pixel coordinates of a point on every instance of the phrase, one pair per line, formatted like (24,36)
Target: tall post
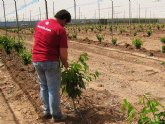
(23,18)
(53,9)
(112,20)
(95,15)
(46,7)
(108,15)
(75,10)
(40,12)
(16,17)
(139,13)
(79,13)
(4,16)
(150,18)
(145,15)
(30,20)
(130,15)
(99,9)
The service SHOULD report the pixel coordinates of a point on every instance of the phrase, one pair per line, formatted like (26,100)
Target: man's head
(63,17)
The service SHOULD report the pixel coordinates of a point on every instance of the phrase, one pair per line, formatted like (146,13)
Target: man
(50,45)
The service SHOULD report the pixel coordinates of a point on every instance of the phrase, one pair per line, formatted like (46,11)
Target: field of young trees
(124,65)
(115,75)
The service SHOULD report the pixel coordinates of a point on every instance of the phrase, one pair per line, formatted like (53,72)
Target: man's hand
(66,65)
(64,57)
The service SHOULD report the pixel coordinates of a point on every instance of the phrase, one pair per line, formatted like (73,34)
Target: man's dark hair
(63,14)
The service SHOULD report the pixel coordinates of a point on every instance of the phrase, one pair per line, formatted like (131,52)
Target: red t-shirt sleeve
(63,39)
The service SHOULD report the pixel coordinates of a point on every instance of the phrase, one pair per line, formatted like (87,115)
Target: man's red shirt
(49,37)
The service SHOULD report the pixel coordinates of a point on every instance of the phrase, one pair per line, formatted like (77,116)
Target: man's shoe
(59,118)
(46,116)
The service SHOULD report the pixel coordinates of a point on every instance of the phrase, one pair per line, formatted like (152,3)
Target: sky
(86,9)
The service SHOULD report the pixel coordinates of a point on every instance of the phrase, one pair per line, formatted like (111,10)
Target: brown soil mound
(125,47)
(94,107)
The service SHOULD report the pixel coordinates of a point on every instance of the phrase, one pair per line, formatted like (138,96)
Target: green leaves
(99,28)
(137,43)
(26,57)
(131,112)
(6,43)
(150,107)
(110,28)
(161,117)
(75,77)
(158,26)
(149,32)
(18,46)
(74,35)
(114,41)
(145,120)
(9,43)
(99,37)
(162,40)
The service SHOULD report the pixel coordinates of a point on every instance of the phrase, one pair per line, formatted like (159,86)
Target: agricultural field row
(148,36)
(8,44)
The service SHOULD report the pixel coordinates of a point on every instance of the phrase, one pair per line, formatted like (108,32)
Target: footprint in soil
(151,72)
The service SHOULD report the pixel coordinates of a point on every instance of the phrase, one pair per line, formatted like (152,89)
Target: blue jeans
(49,76)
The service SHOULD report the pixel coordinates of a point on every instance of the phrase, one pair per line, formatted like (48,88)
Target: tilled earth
(122,75)
(23,90)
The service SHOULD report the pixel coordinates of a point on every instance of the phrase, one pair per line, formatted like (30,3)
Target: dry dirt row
(150,43)
(15,108)
(123,75)
(24,86)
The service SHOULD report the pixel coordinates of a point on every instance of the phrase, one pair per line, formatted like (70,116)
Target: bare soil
(149,42)
(125,73)
(96,110)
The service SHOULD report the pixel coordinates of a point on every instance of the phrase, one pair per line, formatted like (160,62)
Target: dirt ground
(122,75)
(103,107)
(14,105)
(125,75)
(149,43)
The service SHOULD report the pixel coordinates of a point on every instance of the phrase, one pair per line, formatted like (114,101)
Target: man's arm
(64,56)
